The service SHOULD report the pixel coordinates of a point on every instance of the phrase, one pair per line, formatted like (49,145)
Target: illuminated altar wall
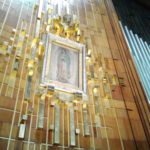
(112,117)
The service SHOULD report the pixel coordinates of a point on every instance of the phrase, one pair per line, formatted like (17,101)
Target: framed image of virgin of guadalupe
(64,65)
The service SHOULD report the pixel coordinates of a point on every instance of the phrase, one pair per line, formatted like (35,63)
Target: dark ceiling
(145,3)
(136,15)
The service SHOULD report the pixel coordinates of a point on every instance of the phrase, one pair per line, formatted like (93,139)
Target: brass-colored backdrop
(113,115)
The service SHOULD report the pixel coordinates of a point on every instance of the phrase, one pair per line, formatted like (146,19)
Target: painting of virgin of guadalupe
(64,65)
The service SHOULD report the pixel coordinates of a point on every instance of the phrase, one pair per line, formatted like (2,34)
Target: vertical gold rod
(22,101)
(25,54)
(53,122)
(63,109)
(34,146)
(40,146)
(77,105)
(38,22)
(94,19)
(30,127)
(68,126)
(33,99)
(47,126)
(82,124)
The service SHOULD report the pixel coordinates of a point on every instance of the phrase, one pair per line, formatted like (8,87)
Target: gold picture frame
(64,65)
